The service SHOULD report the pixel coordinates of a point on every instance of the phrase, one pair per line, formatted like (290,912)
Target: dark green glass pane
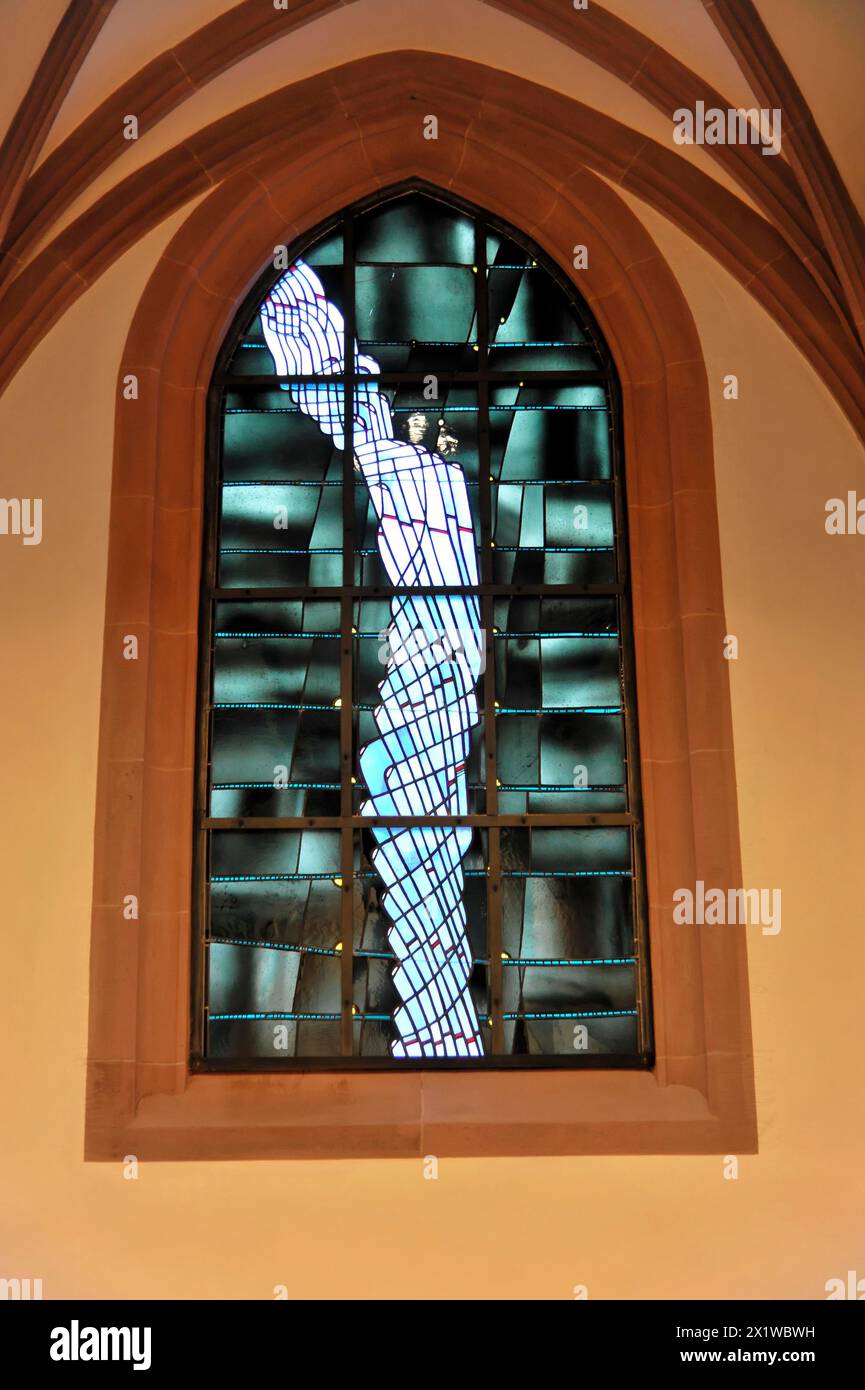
(269,979)
(415,229)
(552,515)
(562,656)
(275,761)
(567,850)
(557,1037)
(417,318)
(280,534)
(327,252)
(277,885)
(275,1040)
(557,673)
(567,917)
(567,929)
(533,323)
(266,437)
(553,533)
(571,758)
(273,943)
(557,985)
(549,433)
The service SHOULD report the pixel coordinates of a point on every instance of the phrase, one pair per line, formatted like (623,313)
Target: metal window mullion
(346,681)
(485,508)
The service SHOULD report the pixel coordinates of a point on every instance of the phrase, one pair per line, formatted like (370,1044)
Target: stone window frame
(142,1097)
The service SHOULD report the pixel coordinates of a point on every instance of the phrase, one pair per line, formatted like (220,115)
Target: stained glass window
(418,824)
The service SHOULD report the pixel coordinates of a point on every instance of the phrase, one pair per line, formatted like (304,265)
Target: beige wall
(628,1228)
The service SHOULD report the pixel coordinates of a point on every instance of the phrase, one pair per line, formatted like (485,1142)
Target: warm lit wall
(628,1228)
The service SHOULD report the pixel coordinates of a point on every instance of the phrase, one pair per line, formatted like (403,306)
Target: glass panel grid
(556,971)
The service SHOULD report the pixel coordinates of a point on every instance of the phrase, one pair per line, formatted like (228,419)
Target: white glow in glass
(428,705)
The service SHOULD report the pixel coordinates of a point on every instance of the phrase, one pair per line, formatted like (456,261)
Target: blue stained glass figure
(416,767)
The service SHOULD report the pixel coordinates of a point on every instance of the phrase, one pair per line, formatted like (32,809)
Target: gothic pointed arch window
(418,821)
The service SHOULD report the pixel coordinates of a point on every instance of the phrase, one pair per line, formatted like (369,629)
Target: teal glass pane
(273,967)
(552,504)
(567,931)
(533,326)
(281,502)
(415,229)
(265,437)
(556,433)
(275,728)
(326,252)
(417,318)
(279,534)
(560,731)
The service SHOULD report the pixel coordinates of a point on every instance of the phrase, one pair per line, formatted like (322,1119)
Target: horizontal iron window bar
(565,787)
(507,961)
(393,704)
(497,482)
(380,591)
(530,818)
(337,881)
(377,636)
(372,550)
(496,376)
(385,1018)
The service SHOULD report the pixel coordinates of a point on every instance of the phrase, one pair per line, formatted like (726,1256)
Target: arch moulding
(141,1096)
